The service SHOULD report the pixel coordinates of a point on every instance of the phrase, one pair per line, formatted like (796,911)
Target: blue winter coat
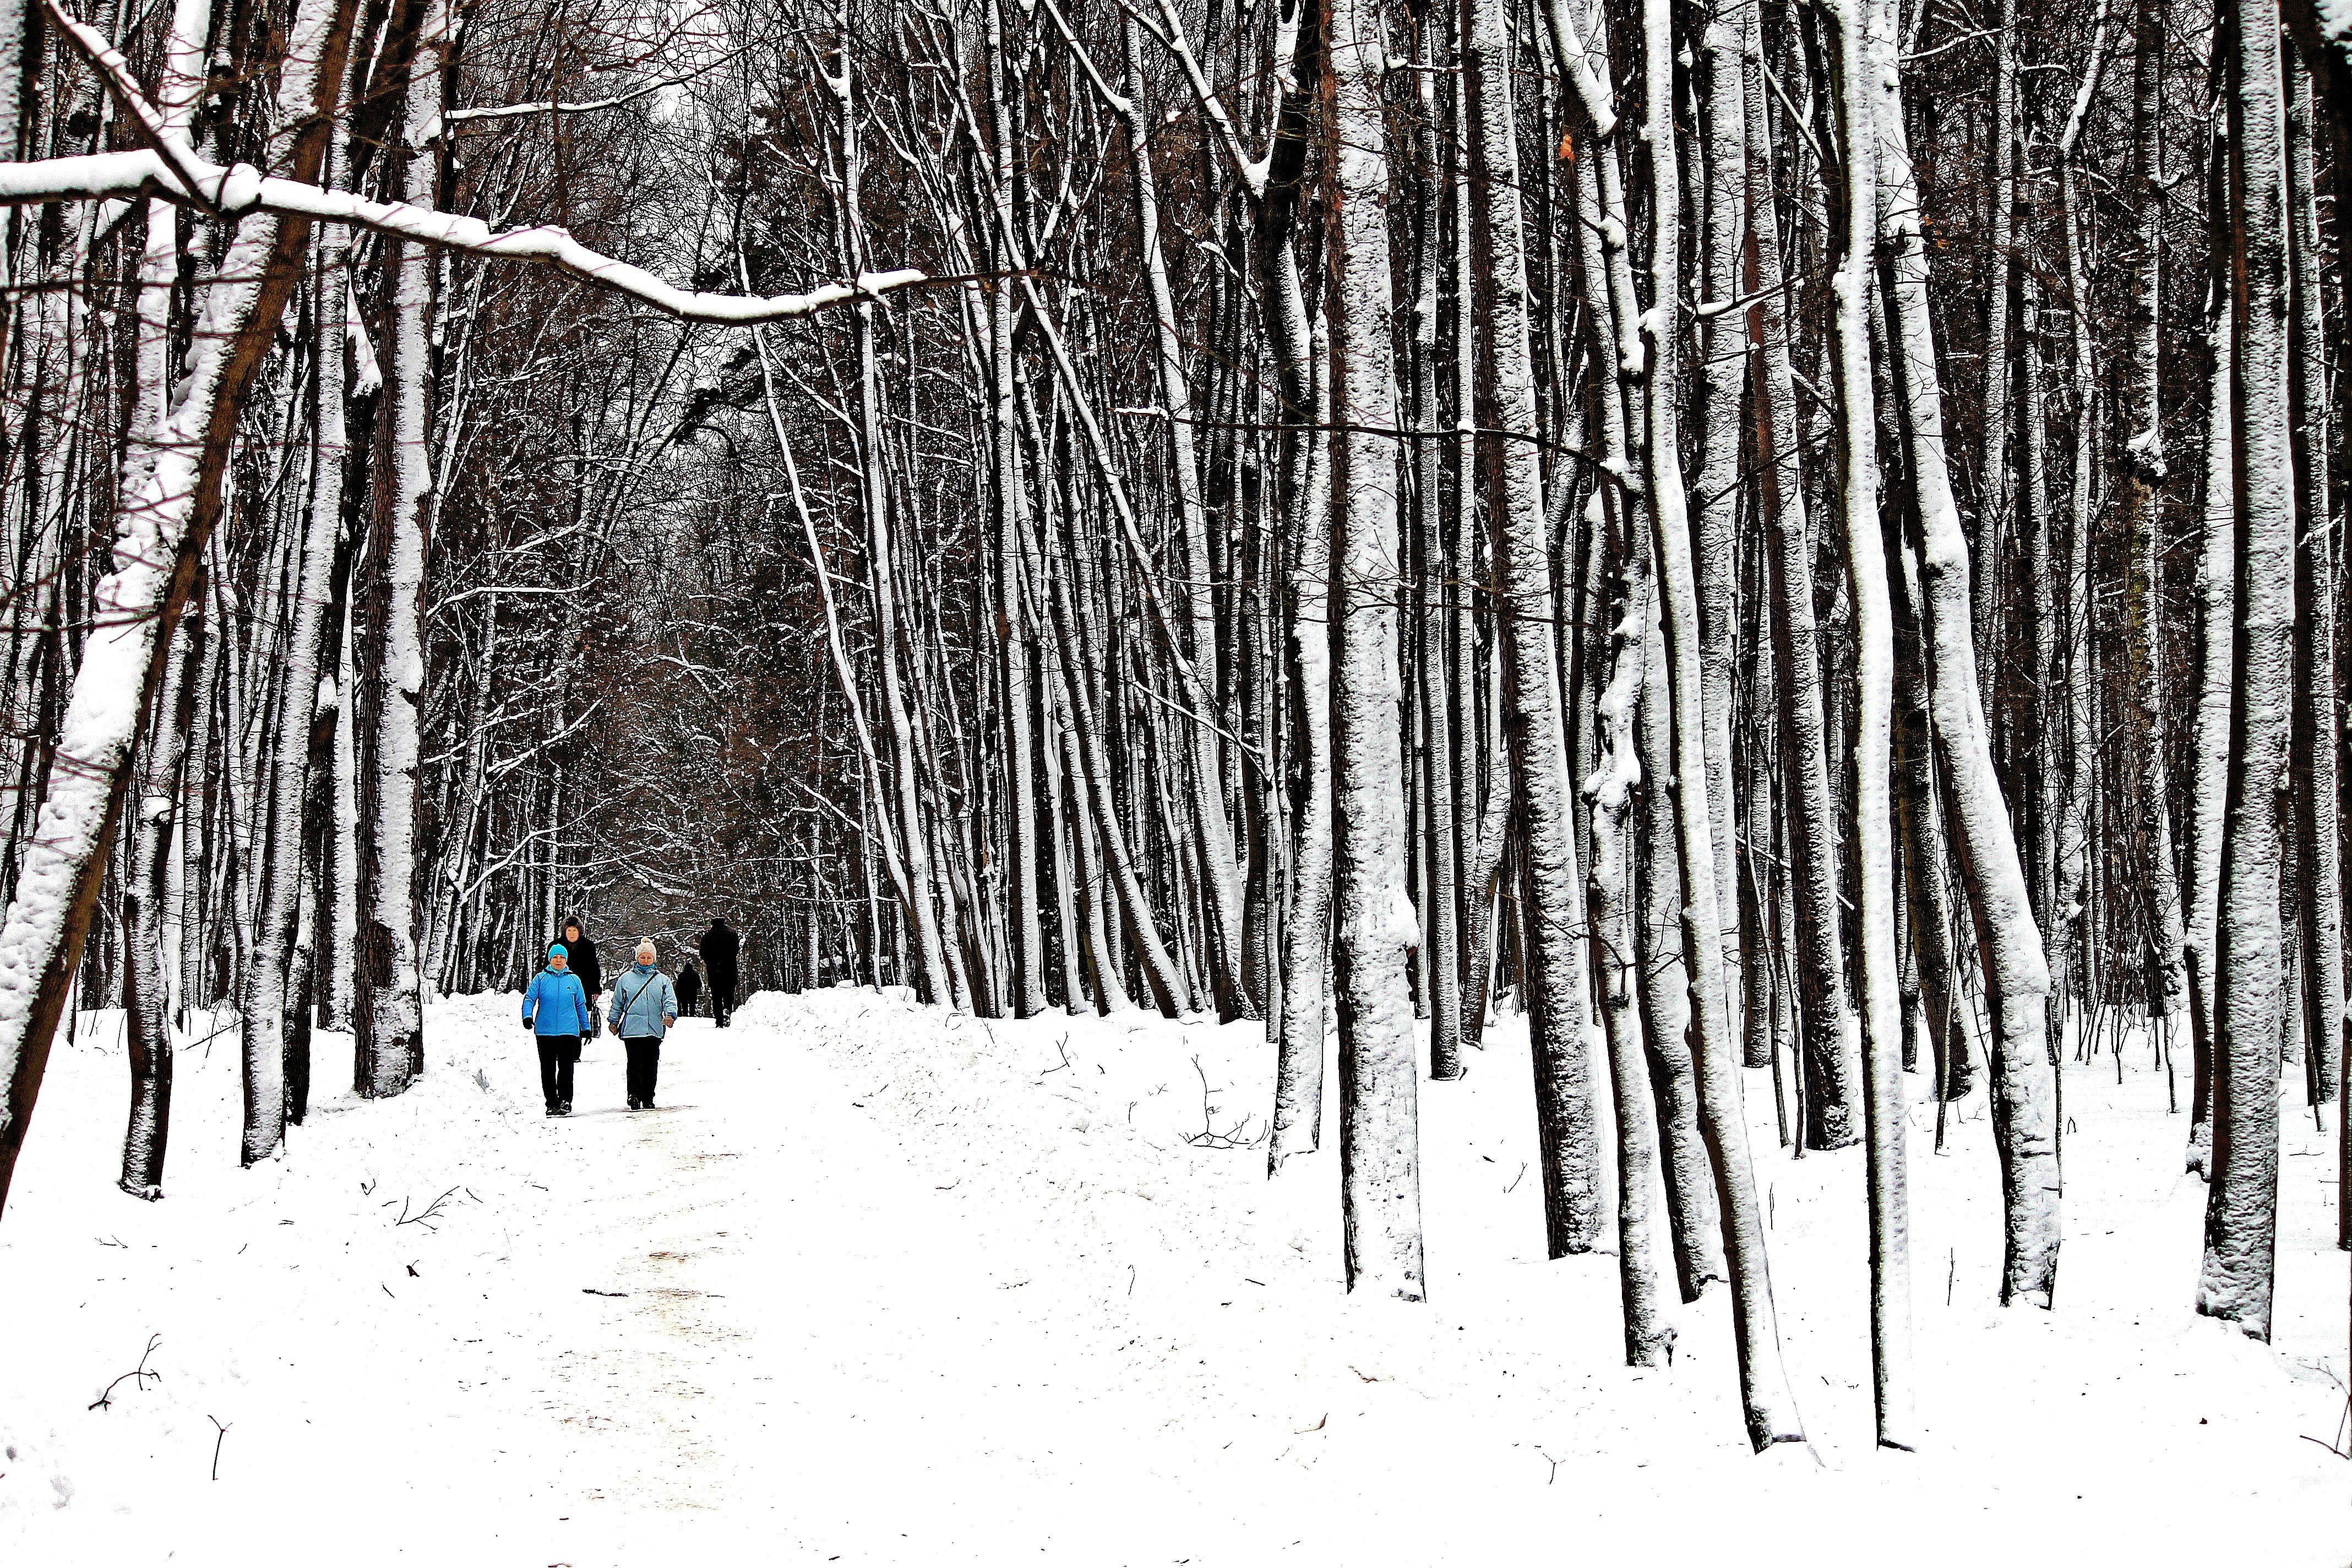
(643,1004)
(557,1004)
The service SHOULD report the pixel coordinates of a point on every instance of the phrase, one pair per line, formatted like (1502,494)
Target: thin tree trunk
(1867,78)
(1649,1332)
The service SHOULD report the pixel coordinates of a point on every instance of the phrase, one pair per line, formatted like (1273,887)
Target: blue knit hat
(555,950)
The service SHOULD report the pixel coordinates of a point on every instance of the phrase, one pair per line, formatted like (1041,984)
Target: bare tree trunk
(2217,587)
(1568,1137)
(390,1017)
(262,1024)
(1016,633)
(1764,1383)
(2017,976)
(1868,76)
(1649,1332)
(147,1016)
(2139,490)
(2241,1211)
(1219,871)
(1298,1124)
(2316,722)
(1378,1140)
(1691,1209)
(1722,342)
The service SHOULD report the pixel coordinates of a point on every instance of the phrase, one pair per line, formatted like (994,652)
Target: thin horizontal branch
(128,176)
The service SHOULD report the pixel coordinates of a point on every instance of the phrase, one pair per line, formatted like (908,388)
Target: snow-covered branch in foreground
(105,176)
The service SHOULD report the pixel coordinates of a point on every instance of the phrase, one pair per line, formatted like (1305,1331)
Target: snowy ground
(881,1285)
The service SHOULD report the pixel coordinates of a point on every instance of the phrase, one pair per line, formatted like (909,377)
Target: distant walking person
(556,1010)
(581,948)
(690,989)
(644,1007)
(720,946)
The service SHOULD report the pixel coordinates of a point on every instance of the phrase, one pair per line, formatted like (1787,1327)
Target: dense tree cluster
(1790,537)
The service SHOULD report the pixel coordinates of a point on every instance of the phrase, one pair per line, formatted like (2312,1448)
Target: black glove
(529,1025)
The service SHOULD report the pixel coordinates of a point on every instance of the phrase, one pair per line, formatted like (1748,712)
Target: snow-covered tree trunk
(1016,633)
(160,531)
(1693,1216)
(2017,976)
(1568,1137)
(1298,1125)
(1770,1406)
(2068,917)
(389,1018)
(2139,489)
(262,1026)
(146,985)
(1869,98)
(1995,479)
(2241,1211)
(1219,878)
(1722,342)
(2318,723)
(1379,1136)
(1434,613)
(1649,1332)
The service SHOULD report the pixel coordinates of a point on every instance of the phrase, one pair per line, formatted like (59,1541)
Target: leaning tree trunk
(2017,976)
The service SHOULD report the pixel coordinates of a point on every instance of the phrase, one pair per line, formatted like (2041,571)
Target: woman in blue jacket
(645,1005)
(555,1009)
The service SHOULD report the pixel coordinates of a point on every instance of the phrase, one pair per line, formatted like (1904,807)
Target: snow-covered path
(882,1285)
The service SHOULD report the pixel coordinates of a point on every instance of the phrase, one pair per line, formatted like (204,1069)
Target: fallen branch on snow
(139,1374)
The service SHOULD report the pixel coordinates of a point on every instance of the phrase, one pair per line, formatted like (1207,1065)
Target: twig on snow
(1209,1137)
(425,1216)
(220,1437)
(139,1374)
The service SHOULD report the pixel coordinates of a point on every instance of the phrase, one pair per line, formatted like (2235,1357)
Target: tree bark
(1378,1153)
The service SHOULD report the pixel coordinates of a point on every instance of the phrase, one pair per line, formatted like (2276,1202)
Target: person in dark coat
(719,945)
(555,1010)
(582,948)
(690,989)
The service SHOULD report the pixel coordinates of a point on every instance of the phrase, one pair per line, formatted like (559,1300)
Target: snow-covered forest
(1769,573)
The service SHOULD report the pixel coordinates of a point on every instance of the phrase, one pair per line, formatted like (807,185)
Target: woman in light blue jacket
(555,1009)
(644,1007)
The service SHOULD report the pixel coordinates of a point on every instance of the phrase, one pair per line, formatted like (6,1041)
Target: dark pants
(723,999)
(557,1053)
(645,1065)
